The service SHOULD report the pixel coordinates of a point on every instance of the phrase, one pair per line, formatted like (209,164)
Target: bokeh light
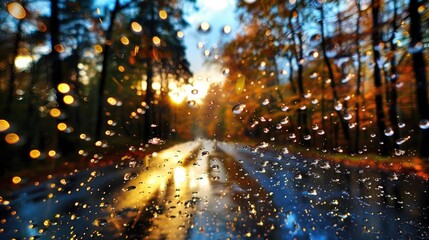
(11,138)
(4,125)
(16,10)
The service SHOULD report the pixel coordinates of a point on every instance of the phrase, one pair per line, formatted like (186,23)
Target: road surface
(213,190)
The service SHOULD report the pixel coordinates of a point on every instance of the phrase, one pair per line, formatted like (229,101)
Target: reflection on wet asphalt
(210,190)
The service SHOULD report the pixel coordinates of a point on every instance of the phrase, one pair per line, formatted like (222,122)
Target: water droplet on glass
(284,121)
(388,131)
(263,145)
(307,137)
(399,152)
(285,151)
(194,91)
(424,124)
(285,108)
(156,141)
(402,140)
(225,71)
(320,132)
(266,130)
(347,116)
(315,127)
(292,136)
(401,125)
(237,109)
(191,103)
(100,222)
(249,1)
(130,176)
(315,101)
(204,26)
(127,189)
(266,102)
(303,107)
(338,106)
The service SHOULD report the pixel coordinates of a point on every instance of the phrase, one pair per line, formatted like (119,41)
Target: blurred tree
(419,67)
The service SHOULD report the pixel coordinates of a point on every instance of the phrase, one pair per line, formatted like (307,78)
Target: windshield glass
(203,119)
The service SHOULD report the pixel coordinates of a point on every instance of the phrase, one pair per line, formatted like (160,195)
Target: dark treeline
(75,76)
(338,76)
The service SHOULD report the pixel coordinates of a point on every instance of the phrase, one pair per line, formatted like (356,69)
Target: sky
(217,13)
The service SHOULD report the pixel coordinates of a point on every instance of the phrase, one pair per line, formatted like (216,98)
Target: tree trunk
(377,78)
(358,79)
(64,144)
(343,122)
(419,72)
(12,73)
(148,134)
(393,95)
(104,71)
(299,55)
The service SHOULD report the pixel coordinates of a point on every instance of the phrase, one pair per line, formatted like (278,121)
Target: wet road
(211,190)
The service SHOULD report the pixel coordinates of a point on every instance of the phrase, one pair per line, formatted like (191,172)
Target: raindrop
(315,39)
(156,141)
(315,127)
(307,95)
(127,189)
(399,152)
(266,102)
(249,1)
(285,108)
(338,106)
(315,101)
(402,140)
(130,176)
(227,29)
(320,132)
(225,71)
(347,116)
(303,107)
(101,222)
(266,130)
(191,103)
(203,153)
(307,137)
(237,109)
(263,145)
(313,54)
(285,151)
(347,78)
(424,124)
(292,136)
(388,131)
(278,126)
(204,26)
(194,91)
(401,125)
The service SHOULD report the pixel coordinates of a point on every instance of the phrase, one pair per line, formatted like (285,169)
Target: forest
(78,78)
(336,76)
